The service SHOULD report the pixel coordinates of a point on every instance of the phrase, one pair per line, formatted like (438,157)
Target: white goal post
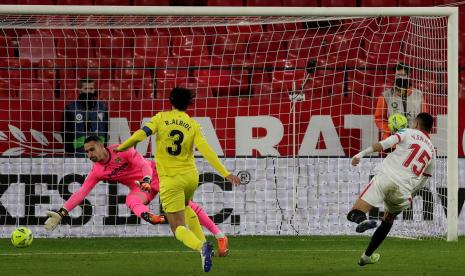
(200,16)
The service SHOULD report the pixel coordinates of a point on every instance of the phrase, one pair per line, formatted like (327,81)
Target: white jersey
(412,160)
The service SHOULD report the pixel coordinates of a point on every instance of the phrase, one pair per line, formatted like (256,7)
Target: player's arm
(137,160)
(54,218)
(210,155)
(141,134)
(379,147)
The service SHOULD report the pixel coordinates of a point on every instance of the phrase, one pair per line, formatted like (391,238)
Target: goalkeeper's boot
(153,219)
(207,256)
(373,259)
(366,225)
(223,246)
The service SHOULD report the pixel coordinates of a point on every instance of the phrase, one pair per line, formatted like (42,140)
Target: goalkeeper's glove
(144,185)
(54,218)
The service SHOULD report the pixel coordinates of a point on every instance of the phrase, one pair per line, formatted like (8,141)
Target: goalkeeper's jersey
(411,161)
(125,167)
(177,133)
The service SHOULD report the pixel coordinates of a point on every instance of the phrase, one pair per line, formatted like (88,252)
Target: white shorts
(382,190)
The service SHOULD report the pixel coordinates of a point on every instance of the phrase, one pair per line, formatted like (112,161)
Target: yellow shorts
(177,190)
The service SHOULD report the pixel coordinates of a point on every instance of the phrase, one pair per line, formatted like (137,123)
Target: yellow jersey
(177,134)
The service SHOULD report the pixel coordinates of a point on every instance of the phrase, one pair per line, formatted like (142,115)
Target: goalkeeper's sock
(136,205)
(378,237)
(193,223)
(188,238)
(356,216)
(204,219)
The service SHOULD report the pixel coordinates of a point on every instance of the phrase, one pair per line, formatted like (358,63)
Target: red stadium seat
(113,48)
(94,68)
(175,73)
(75,2)
(244,29)
(261,83)
(36,47)
(393,25)
(16,70)
(305,45)
(46,71)
(264,3)
(128,69)
(69,90)
(231,48)
(70,48)
(377,3)
(215,77)
(151,3)
(344,50)
(153,50)
(300,3)
(112,2)
(35,2)
(189,47)
(6,47)
(416,3)
(7,91)
(224,3)
(266,48)
(382,49)
(361,82)
(8,2)
(288,76)
(338,3)
(144,88)
(36,91)
(116,90)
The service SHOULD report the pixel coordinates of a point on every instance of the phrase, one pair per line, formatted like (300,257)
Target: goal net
(285,101)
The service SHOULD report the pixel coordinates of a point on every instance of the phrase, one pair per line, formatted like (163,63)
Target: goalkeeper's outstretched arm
(54,218)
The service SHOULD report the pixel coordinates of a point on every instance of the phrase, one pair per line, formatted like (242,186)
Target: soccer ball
(397,122)
(21,237)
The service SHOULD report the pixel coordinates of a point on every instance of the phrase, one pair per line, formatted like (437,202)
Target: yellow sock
(188,238)
(193,223)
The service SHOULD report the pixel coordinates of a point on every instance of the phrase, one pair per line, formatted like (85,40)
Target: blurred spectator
(84,117)
(401,98)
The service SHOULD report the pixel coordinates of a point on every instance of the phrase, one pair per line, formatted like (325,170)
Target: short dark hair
(86,80)
(402,66)
(93,138)
(180,98)
(426,121)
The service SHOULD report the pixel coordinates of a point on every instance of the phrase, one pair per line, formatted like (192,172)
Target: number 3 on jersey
(423,159)
(178,137)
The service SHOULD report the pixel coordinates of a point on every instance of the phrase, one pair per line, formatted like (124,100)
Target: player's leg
(137,201)
(172,196)
(371,195)
(394,203)
(369,257)
(204,219)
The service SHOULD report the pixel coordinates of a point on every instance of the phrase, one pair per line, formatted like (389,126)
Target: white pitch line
(175,251)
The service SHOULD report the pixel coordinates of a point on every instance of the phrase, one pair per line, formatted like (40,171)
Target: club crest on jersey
(117,160)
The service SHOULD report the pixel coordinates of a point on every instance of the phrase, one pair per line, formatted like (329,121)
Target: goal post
(284,95)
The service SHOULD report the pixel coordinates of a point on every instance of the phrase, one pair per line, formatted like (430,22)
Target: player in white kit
(401,174)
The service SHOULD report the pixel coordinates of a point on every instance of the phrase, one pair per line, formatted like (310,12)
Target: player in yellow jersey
(177,134)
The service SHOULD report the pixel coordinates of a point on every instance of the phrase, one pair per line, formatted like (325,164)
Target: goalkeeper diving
(131,169)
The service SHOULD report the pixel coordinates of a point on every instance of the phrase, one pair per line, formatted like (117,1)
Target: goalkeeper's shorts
(382,190)
(176,191)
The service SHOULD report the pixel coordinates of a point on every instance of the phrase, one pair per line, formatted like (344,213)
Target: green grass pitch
(248,256)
